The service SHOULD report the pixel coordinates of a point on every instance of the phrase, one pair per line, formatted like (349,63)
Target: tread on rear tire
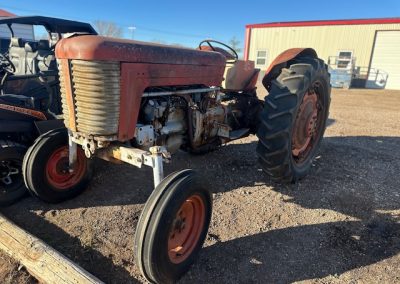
(278,118)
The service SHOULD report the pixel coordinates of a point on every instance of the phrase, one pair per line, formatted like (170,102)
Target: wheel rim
(57,169)
(307,127)
(10,175)
(186,229)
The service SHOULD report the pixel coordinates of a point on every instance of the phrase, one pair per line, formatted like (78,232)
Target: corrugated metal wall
(326,40)
(386,57)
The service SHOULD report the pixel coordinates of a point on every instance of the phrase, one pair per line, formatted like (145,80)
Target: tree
(235,43)
(108,28)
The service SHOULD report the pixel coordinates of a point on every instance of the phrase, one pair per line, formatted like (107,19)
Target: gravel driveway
(340,224)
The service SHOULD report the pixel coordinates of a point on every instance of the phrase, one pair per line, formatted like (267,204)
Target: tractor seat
(240,75)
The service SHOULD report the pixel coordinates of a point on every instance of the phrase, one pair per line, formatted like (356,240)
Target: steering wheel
(6,64)
(231,54)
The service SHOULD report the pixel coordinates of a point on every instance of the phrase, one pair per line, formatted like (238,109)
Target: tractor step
(239,133)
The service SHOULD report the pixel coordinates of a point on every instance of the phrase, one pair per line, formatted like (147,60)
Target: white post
(158,169)
(73,153)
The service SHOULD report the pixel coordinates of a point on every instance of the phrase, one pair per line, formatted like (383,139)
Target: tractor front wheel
(294,119)
(46,168)
(172,227)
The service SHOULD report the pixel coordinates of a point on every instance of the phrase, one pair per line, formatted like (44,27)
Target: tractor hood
(92,47)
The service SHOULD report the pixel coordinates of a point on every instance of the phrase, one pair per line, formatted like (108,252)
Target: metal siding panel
(387,56)
(326,40)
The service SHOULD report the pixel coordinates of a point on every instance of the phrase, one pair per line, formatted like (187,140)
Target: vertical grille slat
(96,91)
(63,96)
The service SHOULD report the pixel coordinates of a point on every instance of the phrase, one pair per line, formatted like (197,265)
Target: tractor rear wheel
(46,168)
(294,119)
(172,227)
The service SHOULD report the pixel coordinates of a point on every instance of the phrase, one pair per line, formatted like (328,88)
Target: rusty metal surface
(135,78)
(142,65)
(281,60)
(27,111)
(305,124)
(207,124)
(239,75)
(67,99)
(253,81)
(97,96)
(91,47)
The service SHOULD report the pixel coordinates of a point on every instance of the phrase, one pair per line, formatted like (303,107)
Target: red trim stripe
(247,44)
(327,23)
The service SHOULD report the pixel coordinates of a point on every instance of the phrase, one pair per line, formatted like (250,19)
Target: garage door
(386,58)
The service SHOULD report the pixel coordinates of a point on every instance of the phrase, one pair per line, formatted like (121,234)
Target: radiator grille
(96,93)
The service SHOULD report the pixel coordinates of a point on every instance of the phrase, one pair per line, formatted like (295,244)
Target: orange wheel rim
(307,128)
(57,169)
(186,229)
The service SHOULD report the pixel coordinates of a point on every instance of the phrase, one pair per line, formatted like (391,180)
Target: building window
(261,58)
(344,60)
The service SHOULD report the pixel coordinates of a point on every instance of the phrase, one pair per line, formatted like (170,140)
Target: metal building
(371,47)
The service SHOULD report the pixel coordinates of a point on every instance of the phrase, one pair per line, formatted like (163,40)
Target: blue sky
(187,22)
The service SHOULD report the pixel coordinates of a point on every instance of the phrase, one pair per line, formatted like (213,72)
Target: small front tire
(172,227)
(46,168)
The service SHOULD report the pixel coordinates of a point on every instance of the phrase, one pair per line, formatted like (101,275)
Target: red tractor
(139,102)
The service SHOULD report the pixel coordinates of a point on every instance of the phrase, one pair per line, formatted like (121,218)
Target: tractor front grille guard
(92,88)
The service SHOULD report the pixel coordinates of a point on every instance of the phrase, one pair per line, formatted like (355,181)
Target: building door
(385,64)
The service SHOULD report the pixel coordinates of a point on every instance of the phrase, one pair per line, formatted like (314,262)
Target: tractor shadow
(298,253)
(353,176)
(84,252)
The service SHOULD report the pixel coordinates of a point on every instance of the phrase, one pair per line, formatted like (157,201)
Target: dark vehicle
(30,101)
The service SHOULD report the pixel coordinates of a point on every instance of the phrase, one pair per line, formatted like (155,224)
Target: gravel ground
(340,224)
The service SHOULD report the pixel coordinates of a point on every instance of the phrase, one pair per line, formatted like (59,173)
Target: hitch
(153,158)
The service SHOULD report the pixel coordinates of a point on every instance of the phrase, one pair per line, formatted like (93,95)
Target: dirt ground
(339,225)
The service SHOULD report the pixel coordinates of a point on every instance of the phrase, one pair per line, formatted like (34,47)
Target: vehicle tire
(172,227)
(12,186)
(294,119)
(45,168)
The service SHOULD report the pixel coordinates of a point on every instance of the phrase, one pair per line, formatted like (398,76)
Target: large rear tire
(12,186)
(46,168)
(172,227)
(294,119)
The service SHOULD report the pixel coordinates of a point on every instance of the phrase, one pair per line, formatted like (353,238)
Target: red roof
(4,13)
(327,23)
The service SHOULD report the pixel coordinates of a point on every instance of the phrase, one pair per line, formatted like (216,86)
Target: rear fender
(47,125)
(281,61)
